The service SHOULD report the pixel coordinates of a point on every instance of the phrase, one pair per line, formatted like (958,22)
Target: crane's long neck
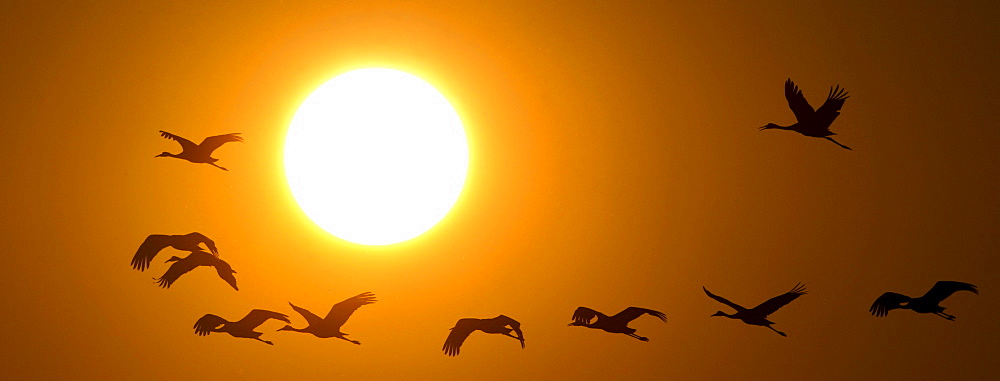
(770,126)
(290,328)
(720,313)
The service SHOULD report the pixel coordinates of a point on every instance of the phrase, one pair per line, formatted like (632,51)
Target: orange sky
(614,161)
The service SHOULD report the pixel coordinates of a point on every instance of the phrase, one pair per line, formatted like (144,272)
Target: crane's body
(586,317)
(330,325)
(809,122)
(154,243)
(200,153)
(758,315)
(244,328)
(194,260)
(501,325)
(928,303)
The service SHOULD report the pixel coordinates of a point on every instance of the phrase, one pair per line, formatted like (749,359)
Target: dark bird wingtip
(973,288)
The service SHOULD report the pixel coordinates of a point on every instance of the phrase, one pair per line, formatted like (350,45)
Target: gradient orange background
(614,162)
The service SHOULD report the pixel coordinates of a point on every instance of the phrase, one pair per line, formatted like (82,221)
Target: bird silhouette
(812,123)
(338,315)
(614,324)
(193,260)
(156,242)
(924,304)
(242,328)
(464,327)
(758,315)
(200,153)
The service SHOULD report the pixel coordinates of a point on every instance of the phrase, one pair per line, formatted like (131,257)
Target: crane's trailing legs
(944,315)
(641,338)
(353,341)
(827,138)
(779,332)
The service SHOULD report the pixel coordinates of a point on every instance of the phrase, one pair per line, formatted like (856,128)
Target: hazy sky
(614,161)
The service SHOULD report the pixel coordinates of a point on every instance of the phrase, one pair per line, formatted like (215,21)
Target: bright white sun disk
(376,156)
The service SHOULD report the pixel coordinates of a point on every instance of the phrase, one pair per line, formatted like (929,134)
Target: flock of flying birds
(813,123)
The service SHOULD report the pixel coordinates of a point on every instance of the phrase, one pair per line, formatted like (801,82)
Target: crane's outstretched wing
(207,323)
(205,240)
(175,271)
(888,301)
(831,108)
(943,289)
(186,145)
(462,329)
(779,301)
(148,249)
(258,317)
(583,315)
(310,317)
(225,272)
(340,312)
(797,102)
(723,300)
(212,142)
(513,324)
(632,313)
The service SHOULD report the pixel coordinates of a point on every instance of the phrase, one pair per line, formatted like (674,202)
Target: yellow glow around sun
(376,156)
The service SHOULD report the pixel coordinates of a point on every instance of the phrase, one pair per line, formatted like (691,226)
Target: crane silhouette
(242,328)
(758,315)
(156,242)
(924,304)
(200,153)
(464,327)
(614,324)
(808,122)
(193,260)
(338,315)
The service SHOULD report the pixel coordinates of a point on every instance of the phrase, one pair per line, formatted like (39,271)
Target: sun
(376,156)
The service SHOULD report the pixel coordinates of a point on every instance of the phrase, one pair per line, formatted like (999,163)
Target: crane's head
(769,126)
(720,313)
(165,154)
(172,259)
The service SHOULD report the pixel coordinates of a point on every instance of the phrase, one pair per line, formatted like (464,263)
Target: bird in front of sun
(809,122)
(242,328)
(197,258)
(464,327)
(924,304)
(200,153)
(584,317)
(154,243)
(758,315)
(338,315)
